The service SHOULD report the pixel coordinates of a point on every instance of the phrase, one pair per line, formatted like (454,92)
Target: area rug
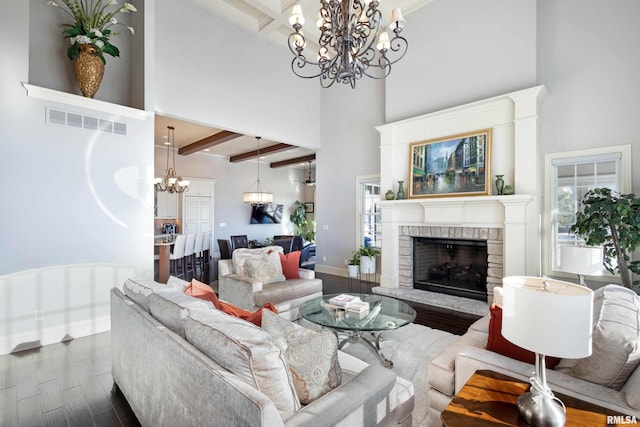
(411,348)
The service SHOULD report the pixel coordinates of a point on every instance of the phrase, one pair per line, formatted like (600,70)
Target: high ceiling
(269,18)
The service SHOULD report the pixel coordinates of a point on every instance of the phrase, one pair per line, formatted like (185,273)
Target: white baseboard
(336,271)
(53,335)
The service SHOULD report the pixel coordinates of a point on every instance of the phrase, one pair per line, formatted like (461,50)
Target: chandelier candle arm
(172,182)
(349,29)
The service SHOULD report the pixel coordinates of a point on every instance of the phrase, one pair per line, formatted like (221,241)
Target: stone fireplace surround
(510,224)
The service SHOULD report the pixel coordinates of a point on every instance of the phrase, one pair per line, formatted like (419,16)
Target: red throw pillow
(499,344)
(255,317)
(198,289)
(290,263)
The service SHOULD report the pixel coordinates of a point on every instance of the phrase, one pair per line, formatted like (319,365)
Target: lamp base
(541,410)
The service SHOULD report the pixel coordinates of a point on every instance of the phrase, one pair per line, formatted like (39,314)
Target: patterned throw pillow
(266,268)
(240,255)
(312,356)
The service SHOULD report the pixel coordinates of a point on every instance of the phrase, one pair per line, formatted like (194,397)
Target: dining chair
(225,248)
(240,241)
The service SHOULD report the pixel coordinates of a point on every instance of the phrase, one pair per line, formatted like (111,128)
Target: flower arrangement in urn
(90,37)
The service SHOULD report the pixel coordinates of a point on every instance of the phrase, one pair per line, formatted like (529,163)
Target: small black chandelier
(348,31)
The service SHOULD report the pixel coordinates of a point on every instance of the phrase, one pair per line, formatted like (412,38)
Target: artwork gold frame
(454,165)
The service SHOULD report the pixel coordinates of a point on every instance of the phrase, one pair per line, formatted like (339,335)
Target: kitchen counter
(164,242)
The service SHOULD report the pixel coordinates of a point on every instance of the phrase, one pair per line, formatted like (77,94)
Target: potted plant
(353,264)
(612,220)
(368,259)
(304,227)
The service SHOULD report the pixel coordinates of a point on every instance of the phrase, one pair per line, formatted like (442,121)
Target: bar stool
(177,255)
(197,254)
(204,258)
(189,254)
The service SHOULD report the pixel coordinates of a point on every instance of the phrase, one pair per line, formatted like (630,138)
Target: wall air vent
(65,118)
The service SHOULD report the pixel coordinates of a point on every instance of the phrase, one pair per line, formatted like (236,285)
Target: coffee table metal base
(372,344)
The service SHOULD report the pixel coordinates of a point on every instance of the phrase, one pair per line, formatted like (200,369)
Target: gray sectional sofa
(450,370)
(179,361)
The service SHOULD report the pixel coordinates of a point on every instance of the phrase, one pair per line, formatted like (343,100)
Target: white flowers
(91,24)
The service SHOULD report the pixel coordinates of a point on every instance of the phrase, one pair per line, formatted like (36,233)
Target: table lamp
(550,318)
(581,260)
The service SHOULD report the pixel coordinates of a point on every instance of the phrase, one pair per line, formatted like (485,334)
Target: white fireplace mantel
(515,153)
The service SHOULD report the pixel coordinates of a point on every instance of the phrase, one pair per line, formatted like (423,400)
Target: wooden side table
(491,399)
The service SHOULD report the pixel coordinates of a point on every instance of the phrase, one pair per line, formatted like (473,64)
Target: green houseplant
(304,227)
(353,264)
(612,220)
(368,256)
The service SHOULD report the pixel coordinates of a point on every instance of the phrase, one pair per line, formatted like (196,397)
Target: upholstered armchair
(242,281)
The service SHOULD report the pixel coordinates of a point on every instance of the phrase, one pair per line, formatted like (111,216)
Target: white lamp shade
(383,41)
(257,197)
(548,317)
(585,260)
(296,15)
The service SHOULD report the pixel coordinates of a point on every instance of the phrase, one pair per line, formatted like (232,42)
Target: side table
(491,399)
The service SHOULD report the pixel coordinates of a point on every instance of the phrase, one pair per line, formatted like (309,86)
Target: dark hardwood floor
(70,383)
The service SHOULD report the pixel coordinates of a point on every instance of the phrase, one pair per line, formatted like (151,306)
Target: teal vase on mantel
(400,195)
(499,184)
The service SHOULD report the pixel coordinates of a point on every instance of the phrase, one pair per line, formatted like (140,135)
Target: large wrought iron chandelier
(348,31)
(171,182)
(256,194)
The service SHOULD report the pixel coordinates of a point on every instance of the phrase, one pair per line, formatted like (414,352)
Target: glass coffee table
(385,314)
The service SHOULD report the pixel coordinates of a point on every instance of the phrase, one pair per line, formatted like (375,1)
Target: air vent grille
(66,118)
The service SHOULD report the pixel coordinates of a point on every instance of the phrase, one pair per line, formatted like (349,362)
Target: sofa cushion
(239,256)
(139,290)
(286,291)
(290,264)
(172,308)
(266,268)
(631,389)
(616,339)
(499,344)
(312,356)
(248,352)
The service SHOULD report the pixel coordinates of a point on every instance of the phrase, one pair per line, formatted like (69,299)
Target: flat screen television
(266,214)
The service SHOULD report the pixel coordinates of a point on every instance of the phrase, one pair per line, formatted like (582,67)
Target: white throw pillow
(267,268)
(312,356)
(240,255)
(616,339)
(248,352)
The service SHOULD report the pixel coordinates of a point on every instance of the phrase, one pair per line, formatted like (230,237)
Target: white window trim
(360,181)
(571,157)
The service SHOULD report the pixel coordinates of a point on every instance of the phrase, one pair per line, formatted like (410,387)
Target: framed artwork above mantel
(454,165)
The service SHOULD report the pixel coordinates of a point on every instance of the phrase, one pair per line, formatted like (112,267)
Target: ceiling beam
(263,151)
(210,141)
(293,161)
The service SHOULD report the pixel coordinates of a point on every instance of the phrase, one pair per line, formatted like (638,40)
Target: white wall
(76,199)
(350,148)
(591,75)
(462,51)
(213,72)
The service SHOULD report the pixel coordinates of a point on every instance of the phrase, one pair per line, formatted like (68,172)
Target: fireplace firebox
(452,266)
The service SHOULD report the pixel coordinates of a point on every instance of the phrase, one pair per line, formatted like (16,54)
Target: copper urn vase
(89,70)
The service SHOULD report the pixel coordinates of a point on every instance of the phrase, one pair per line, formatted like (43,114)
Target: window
(368,223)
(569,177)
